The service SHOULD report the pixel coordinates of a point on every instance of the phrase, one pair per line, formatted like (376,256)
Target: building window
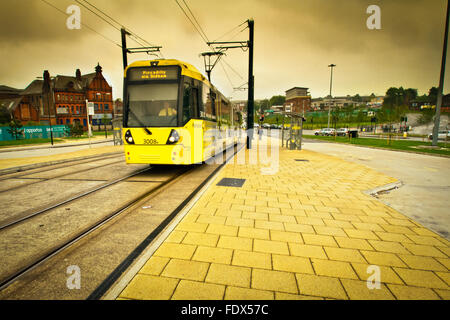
(95,107)
(106,106)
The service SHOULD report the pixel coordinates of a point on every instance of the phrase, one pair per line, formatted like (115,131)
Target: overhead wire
(205,38)
(83,24)
(228,32)
(118,23)
(190,20)
(102,18)
(133,36)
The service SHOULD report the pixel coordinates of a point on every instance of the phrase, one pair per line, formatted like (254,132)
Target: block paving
(306,232)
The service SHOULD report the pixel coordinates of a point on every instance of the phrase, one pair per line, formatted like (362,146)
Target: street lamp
(331,82)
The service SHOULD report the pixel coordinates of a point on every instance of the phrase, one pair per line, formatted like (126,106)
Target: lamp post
(441,83)
(331,82)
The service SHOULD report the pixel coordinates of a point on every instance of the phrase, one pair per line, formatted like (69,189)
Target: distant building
(277,109)
(298,100)
(376,102)
(66,101)
(118,108)
(334,102)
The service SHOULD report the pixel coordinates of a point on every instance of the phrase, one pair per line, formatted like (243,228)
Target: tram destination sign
(153,73)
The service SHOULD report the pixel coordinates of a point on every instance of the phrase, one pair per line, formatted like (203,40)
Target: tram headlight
(129,137)
(174,137)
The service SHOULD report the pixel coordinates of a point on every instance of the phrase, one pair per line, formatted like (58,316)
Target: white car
(442,135)
(325,132)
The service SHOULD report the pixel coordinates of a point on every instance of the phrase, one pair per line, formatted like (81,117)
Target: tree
(334,118)
(15,128)
(359,117)
(74,130)
(357,98)
(277,100)
(348,111)
(262,104)
(5,116)
(399,97)
(432,95)
(409,95)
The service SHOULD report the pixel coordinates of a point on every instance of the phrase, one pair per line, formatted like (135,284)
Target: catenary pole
(251,79)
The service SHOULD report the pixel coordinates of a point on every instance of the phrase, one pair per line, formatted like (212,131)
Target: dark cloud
(294,41)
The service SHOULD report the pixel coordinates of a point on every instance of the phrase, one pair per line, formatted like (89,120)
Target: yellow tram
(174,115)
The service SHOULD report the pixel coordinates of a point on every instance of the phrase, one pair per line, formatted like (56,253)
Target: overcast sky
(295,41)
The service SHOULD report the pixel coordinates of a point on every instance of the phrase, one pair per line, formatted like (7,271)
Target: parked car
(273,126)
(266,125)
(442,135)
(342,132)
(325,132)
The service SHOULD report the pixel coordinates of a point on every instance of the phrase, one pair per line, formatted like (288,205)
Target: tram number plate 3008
(150,141)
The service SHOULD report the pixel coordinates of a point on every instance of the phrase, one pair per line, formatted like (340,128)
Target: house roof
(67,82)
(10,103)
(303,88)
(6,89)
(35,87)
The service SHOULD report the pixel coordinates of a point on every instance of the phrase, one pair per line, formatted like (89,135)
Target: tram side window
(190,101)
(209,104)
(226,118)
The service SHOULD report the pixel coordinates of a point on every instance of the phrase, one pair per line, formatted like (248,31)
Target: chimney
(46,83)
(78,74)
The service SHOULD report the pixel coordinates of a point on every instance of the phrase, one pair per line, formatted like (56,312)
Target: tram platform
(306,230)
(22,157)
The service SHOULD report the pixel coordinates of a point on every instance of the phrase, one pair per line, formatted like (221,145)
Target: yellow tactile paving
(306,232)
(18,162)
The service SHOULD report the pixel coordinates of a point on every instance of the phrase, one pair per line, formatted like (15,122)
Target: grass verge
(403,145)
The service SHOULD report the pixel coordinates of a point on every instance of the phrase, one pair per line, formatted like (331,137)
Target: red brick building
(297,100)
(66,103)
(71,94)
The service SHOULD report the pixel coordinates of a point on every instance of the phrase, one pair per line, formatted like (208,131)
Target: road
(425,179)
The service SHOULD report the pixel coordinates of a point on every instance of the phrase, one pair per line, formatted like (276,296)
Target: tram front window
(152,105)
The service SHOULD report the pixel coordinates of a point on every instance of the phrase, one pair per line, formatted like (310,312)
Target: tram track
(104,249)
(76,197)
(44,167)
(24,176)
(56,249)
